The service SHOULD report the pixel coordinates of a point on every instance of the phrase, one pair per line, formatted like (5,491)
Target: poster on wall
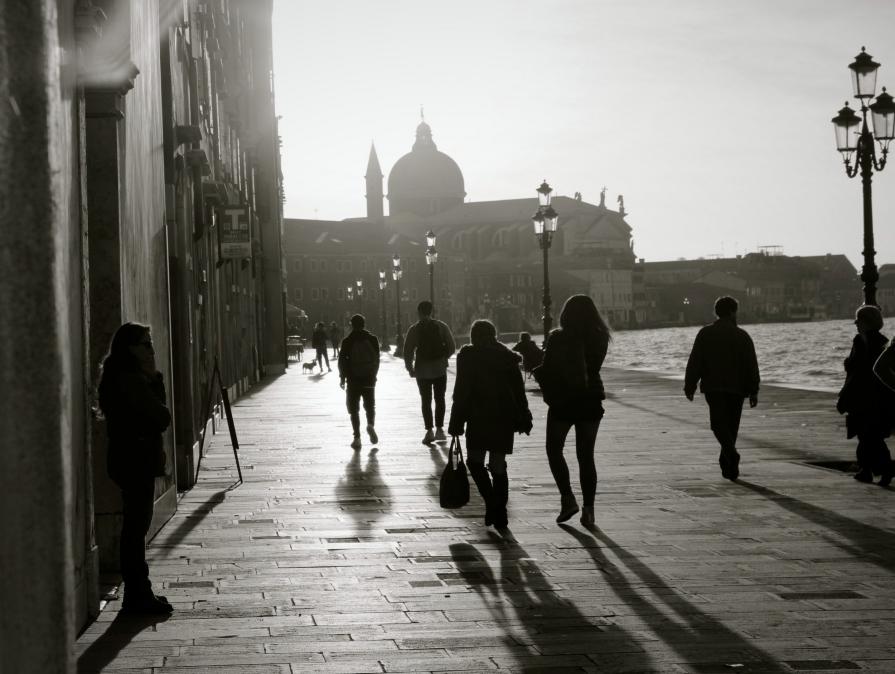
(235,232)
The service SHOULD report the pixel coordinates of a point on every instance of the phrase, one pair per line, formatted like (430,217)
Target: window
(348,265)
(322,265)
(324,294)
(363,265)
(313,265)
(298,294)
(340,294)
(296,265)
(413,294)
(315,294)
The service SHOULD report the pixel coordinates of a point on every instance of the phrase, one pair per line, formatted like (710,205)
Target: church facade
(489,261)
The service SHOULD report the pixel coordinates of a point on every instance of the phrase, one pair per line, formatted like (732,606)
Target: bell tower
(374,186)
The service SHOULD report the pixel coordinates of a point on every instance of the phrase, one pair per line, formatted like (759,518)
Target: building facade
(146,188)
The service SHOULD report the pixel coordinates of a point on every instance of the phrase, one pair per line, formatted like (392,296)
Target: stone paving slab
(330,560)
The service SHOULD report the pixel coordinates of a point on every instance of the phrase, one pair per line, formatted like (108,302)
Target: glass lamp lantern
(430,239)
(431,256)
(845,124)
(396,268)
(863,75)
(551,218)
(538,221)
(883,112)
(544,192)
(382,282)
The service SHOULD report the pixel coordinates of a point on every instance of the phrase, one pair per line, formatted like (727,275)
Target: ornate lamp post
(544,221)
(850,140)
(396,276)
(431,259)
(382,284)
(360,295)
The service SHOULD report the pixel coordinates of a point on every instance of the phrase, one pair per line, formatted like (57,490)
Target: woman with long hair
(489,401)
(573,356)
(132,401)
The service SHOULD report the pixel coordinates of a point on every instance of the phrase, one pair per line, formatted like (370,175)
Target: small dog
(309,367)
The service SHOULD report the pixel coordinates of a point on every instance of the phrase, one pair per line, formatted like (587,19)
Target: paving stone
(330,560)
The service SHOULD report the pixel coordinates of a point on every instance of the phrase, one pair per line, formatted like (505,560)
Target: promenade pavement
(331,560)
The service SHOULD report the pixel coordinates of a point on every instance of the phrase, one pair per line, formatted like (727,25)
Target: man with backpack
(427,347)
(358,366)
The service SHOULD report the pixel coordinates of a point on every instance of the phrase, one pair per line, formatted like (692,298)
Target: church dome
(424,181)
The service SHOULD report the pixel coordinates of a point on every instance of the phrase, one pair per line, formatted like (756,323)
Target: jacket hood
(493,354)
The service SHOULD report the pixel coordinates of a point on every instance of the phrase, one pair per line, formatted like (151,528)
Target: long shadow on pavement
(553,625)
(698,638)
(867,543)
(171,539)
(119,633)
(362,492)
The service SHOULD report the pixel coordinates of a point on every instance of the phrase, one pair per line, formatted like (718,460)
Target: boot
(501,496)
(483,482)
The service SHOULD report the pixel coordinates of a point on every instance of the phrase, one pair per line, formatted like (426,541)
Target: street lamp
(396,276)
(384,322)
(360,295)
(545,220)
(849,140)
(431,259)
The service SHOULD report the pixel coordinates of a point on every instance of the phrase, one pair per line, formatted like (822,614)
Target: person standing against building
(869,405)
(133,403)
(490,404)
(723,364)
(358,367)
(427,347)
(573,390)
(318,341)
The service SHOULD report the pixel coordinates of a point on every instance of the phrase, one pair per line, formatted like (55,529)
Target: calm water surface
(800,355)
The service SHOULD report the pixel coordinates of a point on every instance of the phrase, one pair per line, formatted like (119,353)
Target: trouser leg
(369,395)
(137,498)
(557,430)
(725,411)
(352,401)
(425,387)
(585,440)
(439,386)
(497,462)
(475,461)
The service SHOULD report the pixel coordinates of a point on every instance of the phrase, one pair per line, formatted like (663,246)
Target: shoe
(864,475)
(885,480)
(429,437)
(374,439)
(587,516)
(329,369)
(439,434)
(568,508)
(356,443)
(149,605)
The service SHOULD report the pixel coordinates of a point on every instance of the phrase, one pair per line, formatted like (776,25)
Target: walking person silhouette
(723,363)
(427,347)
(573,390)
(133,402)
(865,399)
(358,367)
(489,401)
(318,341)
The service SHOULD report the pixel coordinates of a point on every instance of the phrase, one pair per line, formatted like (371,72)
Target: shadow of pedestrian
(866,542)
(362,492)
(171,539)
(439,461)
(696,636)
(118,634)
(551,624)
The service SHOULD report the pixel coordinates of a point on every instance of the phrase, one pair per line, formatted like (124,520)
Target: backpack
(363,359)
(564,376)
(431,346)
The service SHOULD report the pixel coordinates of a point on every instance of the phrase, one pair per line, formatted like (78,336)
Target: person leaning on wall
(133,403)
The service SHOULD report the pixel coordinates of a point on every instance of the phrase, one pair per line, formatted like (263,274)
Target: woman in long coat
(489,401)
(866,401)
(132,401)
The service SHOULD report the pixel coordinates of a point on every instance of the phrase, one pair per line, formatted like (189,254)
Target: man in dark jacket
(358,366)
(724,365)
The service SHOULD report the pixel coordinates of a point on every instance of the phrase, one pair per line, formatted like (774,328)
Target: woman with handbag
(573,391)
(132,401)
(489,401)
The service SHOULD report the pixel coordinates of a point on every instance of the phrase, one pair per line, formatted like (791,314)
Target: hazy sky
(711,117)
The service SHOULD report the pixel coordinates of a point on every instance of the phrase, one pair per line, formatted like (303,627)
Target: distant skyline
(711,118)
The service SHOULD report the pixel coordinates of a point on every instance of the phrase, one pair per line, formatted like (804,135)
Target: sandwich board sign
(235,233)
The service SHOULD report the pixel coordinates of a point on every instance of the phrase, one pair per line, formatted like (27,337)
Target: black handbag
(453,490)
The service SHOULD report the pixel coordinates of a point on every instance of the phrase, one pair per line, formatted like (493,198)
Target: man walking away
(724,365)
(318,341)
(427,347)
(358,366)
(335,337)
